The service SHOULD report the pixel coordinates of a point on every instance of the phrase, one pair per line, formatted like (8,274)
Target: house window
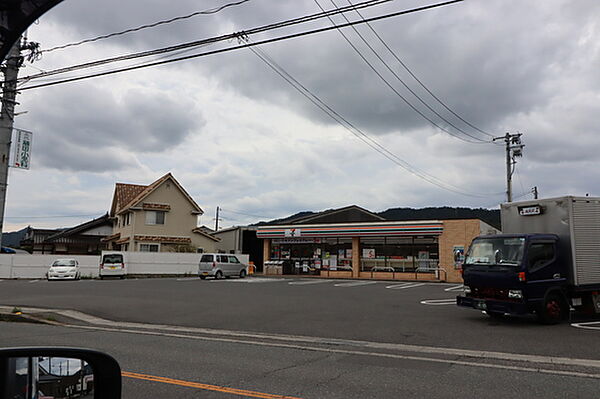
(149,247)
(127,219)
(155,217)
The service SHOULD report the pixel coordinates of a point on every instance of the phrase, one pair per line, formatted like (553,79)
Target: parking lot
(324,329)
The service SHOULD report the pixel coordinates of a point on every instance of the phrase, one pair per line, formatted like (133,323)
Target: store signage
(459,256)
(530,210)
(297,241)
(22,149)
(292,233)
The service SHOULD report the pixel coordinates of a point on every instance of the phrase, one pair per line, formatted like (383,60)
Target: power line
(155,24)
(215,39)
(50,217)
(246,214)
(371,142)
(393,53)
(390,86)
(164,57)
(241,46)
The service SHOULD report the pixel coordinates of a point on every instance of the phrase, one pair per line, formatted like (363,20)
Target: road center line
(364,353)
(208,387)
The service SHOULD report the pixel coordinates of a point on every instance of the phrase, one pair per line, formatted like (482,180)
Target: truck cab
(517,274)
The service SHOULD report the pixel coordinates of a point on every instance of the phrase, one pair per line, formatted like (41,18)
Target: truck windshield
(495,251)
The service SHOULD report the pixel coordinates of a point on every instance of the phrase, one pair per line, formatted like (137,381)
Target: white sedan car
(64,269)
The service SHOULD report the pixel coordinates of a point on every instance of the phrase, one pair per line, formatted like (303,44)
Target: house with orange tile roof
(159,217)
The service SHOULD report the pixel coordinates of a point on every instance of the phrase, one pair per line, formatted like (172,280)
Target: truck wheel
(554,310)
(242,273)
(218,275)
(202,277)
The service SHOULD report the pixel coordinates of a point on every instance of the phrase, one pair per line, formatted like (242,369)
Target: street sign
(22,149)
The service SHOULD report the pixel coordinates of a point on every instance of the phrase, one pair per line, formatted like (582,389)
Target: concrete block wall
(150,263)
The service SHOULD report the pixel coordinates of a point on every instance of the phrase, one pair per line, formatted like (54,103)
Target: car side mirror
(40,372)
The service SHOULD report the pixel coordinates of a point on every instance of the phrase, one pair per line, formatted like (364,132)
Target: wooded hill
(490,216)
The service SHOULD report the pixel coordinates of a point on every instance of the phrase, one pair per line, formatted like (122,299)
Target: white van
(113,264)
(221,265)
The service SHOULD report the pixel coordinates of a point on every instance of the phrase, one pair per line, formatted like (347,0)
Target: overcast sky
(238,136)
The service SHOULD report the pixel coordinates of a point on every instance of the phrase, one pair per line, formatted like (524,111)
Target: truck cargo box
(576,220)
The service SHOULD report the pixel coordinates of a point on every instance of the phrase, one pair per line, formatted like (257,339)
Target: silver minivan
(220,265)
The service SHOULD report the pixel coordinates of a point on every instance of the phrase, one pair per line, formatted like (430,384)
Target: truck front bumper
(494,305)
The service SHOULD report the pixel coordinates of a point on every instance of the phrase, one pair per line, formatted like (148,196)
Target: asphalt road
(393,358)
(209,369)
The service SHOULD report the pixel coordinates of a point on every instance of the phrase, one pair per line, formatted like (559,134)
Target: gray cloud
(504,65)
(485,70)
(92,129)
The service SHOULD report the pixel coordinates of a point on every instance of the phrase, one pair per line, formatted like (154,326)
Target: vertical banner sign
(22,149)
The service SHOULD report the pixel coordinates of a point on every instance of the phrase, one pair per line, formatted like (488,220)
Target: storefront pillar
(355,257)
(266,250)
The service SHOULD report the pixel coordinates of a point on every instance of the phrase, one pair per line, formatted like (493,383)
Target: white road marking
(438,302)
(33,281)
(590,325)
(466,363)
(308,282)
(455,288)
(355,284)
(396,286)
(405,286)
(253,280)
(188,279)
(266,338)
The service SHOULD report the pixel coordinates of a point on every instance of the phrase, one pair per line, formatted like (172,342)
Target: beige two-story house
(160,217)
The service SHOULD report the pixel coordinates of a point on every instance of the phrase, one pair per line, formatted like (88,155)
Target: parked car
(112,264)
(221,265)
(62,269)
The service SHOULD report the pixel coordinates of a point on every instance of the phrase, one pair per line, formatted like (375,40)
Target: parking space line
(33,281)
(188,279)
(304,282)
(396,286)
(455,288)
(438,302)
(589,325)
(251,280)
(355,283)
(216,388)
(404,286)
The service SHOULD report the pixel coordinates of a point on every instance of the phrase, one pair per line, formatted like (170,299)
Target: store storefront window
(377,254)
(399,254)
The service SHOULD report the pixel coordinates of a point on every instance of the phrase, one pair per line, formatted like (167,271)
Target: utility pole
(217,220)
(9,93)
(514,149)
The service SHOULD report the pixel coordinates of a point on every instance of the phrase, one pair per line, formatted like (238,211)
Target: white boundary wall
(35,266)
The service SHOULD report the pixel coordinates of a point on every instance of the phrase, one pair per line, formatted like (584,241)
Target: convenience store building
(353,242)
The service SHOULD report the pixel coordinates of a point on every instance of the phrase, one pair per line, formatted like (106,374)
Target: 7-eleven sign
(292,233)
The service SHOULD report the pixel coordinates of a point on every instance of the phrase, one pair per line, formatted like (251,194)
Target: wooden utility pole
(9,94)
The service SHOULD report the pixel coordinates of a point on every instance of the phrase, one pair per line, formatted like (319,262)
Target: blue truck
(546,261)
